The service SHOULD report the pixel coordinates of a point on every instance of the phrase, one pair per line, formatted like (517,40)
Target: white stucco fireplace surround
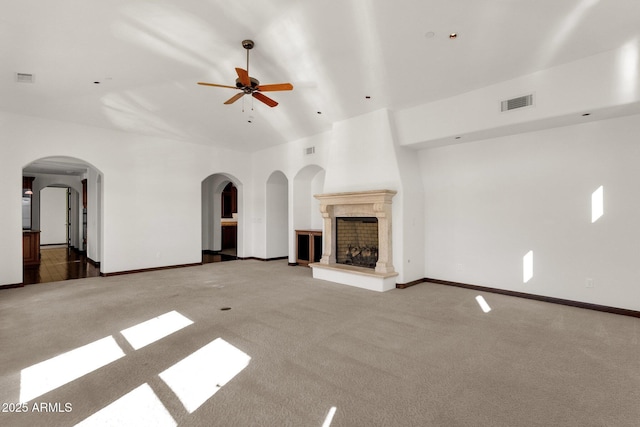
(375,203)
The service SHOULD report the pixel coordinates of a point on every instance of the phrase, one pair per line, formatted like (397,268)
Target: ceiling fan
(249,85)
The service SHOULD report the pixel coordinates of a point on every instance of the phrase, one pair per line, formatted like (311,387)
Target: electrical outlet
(589,283)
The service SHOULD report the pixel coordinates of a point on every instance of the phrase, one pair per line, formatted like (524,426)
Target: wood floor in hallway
(59,263)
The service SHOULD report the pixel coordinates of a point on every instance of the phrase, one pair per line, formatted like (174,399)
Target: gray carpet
(423,356)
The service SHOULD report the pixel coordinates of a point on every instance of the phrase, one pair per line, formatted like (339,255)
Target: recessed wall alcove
(375,204)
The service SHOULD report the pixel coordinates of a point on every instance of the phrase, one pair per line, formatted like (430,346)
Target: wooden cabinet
(229,235)
(308,246)
(31,247)
(229,201)
(84,193)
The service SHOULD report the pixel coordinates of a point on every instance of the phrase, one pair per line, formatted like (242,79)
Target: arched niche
(304,208)
(307,182)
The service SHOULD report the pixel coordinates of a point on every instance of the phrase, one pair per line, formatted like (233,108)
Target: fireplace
(357,239)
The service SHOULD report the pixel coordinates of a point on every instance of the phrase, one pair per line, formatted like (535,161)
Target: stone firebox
(357,241)
(364,204)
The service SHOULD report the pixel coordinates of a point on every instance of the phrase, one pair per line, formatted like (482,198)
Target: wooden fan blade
(260,97)
(243,75)
(275,87)
(216,85)
(234,98)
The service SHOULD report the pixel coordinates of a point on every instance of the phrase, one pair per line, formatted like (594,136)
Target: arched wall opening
(83,182)
(277,216)
(213,222)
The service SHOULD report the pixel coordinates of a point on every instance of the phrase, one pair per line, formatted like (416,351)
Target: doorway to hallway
(221,219)
(64,194)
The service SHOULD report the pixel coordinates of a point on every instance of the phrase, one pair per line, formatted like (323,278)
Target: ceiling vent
(24,78)
(309,150)
(515,103)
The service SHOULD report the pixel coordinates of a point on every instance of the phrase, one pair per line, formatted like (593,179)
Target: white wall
(53,216)
(208,217)
(277,224)
(409,205)
(151,191)
(362,155)
(306,183)
(490,202)
(317,186)
(95,242)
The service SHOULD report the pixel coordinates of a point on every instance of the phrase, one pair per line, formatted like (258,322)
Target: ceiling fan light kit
(249,85)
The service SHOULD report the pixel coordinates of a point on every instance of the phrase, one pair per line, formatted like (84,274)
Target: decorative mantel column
(358,204)
(329,220)
(385,248)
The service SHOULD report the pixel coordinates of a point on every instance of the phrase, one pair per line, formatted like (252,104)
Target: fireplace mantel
(356,197)
(375,203)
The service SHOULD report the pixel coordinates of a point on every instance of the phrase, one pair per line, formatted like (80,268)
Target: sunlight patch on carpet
(50,374)
(483,304)
(155,329)
(200,375)
(139,407)
(329,419)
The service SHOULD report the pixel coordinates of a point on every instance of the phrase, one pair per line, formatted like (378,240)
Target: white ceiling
(148,55)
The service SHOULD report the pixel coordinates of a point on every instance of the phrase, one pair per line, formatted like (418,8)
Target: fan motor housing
(254,85)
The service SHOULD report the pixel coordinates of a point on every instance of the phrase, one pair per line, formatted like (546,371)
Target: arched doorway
(63,193)
(221,218)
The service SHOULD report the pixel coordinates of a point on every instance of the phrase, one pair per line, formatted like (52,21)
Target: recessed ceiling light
(458,137)
(367,97)
(96,83)
(453,36)
(319,112)
(586,114)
